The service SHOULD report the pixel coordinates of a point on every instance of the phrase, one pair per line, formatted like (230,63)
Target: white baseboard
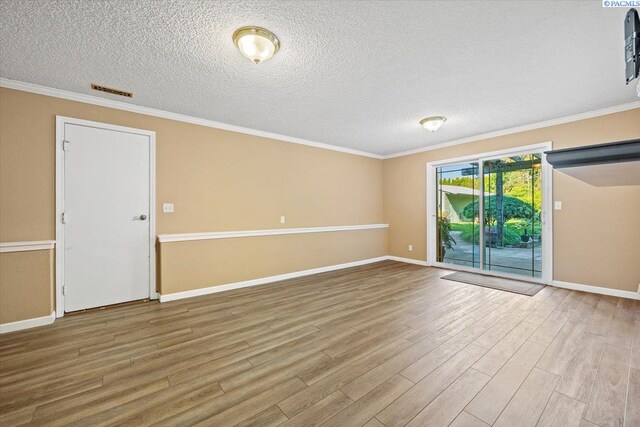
(596,289)
(557,283)
(47,320)
(407,260)
(27,324)
(265,280)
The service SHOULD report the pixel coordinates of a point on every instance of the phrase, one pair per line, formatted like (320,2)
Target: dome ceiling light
(433,123)
(256,43)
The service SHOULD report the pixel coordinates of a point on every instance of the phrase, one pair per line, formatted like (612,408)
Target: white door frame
(61,121)
(547,216)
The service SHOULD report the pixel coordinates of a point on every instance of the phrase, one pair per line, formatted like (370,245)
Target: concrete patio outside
(521,261)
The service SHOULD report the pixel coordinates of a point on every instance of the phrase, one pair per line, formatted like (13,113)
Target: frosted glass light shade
(256,43)
(432,124)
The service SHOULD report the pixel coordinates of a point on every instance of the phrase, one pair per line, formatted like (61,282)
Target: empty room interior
(303,213)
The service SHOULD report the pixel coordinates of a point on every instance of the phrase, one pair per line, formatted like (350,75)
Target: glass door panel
(512,208)
(457,221)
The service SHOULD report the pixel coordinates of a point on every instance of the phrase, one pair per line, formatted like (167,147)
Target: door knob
(140,218)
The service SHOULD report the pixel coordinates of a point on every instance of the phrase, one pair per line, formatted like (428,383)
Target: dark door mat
(500,283)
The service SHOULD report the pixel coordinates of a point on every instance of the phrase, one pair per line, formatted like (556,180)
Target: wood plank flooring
(387,344)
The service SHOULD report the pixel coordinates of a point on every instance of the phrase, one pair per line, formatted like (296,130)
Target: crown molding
(109,103)
(118,105)
(523,128)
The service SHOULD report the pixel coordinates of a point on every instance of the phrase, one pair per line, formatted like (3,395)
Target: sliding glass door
(512,211)
(458,189)
(488,214)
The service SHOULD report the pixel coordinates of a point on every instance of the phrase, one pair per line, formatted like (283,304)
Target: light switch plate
(167,207)
(557,206)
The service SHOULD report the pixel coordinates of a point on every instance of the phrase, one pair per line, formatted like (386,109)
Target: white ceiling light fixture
(433,123)
(255,43)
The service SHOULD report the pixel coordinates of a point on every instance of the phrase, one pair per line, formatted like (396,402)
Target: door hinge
(64,290)
(65,145)
(63,218)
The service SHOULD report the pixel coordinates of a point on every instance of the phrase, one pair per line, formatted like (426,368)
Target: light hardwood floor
(387,344)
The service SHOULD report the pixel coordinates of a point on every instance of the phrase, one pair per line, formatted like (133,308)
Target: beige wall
(26,289)
(597,232)
(189,265)
(218,181)
(221,180)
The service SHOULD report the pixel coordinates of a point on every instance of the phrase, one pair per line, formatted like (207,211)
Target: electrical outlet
(167,207)
(410,248)
(282,220)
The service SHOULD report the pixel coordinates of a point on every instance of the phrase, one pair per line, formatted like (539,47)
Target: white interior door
(106,216)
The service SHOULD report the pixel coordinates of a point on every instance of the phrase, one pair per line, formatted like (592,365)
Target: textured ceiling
(357,74)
